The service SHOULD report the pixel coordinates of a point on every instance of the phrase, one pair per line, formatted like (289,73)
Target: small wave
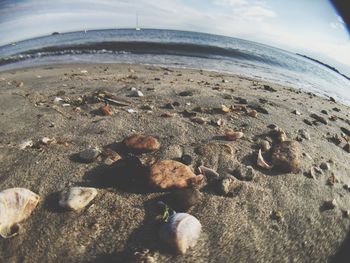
(138,47)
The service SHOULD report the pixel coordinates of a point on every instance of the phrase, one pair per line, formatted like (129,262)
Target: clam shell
(181,232)
(16,204)
(76,198)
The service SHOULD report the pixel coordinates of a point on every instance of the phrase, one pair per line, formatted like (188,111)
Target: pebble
(136,93)
(76,198)
(181,200)
(186,159)
(89,155)
(345,130)
(228,186)
(332,99)
(347,147)
(186,93)
(296,112)
(286,156)
(319,118)
(307,122)
(209,173)
(198,120)
(233,135)
(324,112)
(141,144)
(253,113)
(330,204)
(169,174)
(311,173)
(245,173)
(325,166)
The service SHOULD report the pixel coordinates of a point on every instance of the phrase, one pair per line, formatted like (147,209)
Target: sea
(182,49)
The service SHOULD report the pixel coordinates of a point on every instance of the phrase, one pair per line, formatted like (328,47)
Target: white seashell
(47,140)
(26,144)
(16,204)
(83,71)
(182,232)
(57,99)
(131,111)
(76,198)
(261,162)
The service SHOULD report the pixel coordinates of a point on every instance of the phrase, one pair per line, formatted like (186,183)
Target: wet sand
(275,217)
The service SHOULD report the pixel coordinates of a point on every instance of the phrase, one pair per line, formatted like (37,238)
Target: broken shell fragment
(16,204)
(261,162)
(224,109)
(76,198)
(181,232)
(26,144)
(233,135)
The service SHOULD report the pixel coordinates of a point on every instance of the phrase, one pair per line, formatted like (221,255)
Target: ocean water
(179,49)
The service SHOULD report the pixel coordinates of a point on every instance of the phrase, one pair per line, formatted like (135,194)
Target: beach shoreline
(183,109)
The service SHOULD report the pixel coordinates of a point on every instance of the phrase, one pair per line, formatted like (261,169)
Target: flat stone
(89,155)
(169,174)
(286,156)
(304,134)
(76,198)
(141,144)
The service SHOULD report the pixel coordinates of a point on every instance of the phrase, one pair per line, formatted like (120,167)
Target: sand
(121,219)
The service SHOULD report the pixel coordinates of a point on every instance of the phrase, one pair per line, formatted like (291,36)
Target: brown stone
(286,156)
(142,144)
(170,174)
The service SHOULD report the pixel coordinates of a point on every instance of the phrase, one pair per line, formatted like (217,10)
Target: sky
(310,27)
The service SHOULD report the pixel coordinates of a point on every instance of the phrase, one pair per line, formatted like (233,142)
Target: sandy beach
(272,215)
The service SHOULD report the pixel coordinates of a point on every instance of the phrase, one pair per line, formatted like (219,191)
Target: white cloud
(230,2)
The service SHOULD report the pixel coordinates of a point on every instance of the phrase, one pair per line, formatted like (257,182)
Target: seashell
(16,204)
(26,144)
(220,122)
(47,140)
(181,232)
(225,109)
(136,93)
(261,162)
(233,135)
(76,198)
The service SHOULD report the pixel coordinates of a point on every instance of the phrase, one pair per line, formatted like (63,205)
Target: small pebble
(181,200)
(186,93)
(186,159)
(347,147)
(296,112)
(330,204)
(325,166)
(228,186)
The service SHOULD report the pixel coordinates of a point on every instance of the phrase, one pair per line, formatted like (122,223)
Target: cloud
(230,2)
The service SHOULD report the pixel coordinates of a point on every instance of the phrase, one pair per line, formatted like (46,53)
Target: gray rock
(181,200)
(304,134)
(244,173)
(89,155)
(319,118)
